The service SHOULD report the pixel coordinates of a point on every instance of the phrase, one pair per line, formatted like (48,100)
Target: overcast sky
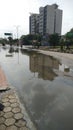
(15,13)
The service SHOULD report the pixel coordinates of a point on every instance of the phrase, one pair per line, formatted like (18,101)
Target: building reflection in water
(43,65)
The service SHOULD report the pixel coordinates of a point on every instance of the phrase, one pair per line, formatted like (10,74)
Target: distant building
(48,21)
(34,24)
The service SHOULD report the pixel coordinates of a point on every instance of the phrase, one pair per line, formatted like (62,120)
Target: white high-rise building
(34,24)
(49,20)
(41,20)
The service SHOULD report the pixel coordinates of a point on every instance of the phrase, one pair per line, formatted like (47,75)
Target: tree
(10,40)
(62,43)
(54,39)
(27,39)
(3,41)
(69,37)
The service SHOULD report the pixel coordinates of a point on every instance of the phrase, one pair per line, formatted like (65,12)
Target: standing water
(44,85)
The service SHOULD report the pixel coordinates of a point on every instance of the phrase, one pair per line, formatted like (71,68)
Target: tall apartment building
(49,20)
(34,24)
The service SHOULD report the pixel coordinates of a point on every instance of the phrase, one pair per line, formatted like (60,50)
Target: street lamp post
(17,27)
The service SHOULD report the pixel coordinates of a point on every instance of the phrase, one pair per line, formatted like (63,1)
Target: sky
(14,14)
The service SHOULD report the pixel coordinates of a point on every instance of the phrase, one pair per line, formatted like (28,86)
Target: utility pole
(17,27)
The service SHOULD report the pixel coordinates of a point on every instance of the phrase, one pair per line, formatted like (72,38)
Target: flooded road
(44,85)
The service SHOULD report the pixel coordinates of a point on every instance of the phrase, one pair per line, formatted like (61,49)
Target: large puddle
(44,85)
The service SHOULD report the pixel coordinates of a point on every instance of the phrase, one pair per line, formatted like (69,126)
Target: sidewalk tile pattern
(12,118)
(3,81)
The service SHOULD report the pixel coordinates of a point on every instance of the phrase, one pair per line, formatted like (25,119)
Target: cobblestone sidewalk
(3,81)
(11,117)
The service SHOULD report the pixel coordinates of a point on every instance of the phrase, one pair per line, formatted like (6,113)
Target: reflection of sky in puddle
(47,94)
(66,70)
(64,67)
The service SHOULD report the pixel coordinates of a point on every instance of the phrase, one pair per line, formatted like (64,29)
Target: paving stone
(14,105)
(6,96)
(16,110)
(18,116)
(12,97)
(23,128)
(5,100)
(7,109)
(12,100)
(2,127)
(9,121)
(20,123)
(1,113)
(7,104)
(8,114)
(11,128)
(2,119)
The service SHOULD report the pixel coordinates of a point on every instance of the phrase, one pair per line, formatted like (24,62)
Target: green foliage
(71,30)
(10,39)
(15,41)
(69,37)
(54,39)
(3,41)
(27,39)
(62,43)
